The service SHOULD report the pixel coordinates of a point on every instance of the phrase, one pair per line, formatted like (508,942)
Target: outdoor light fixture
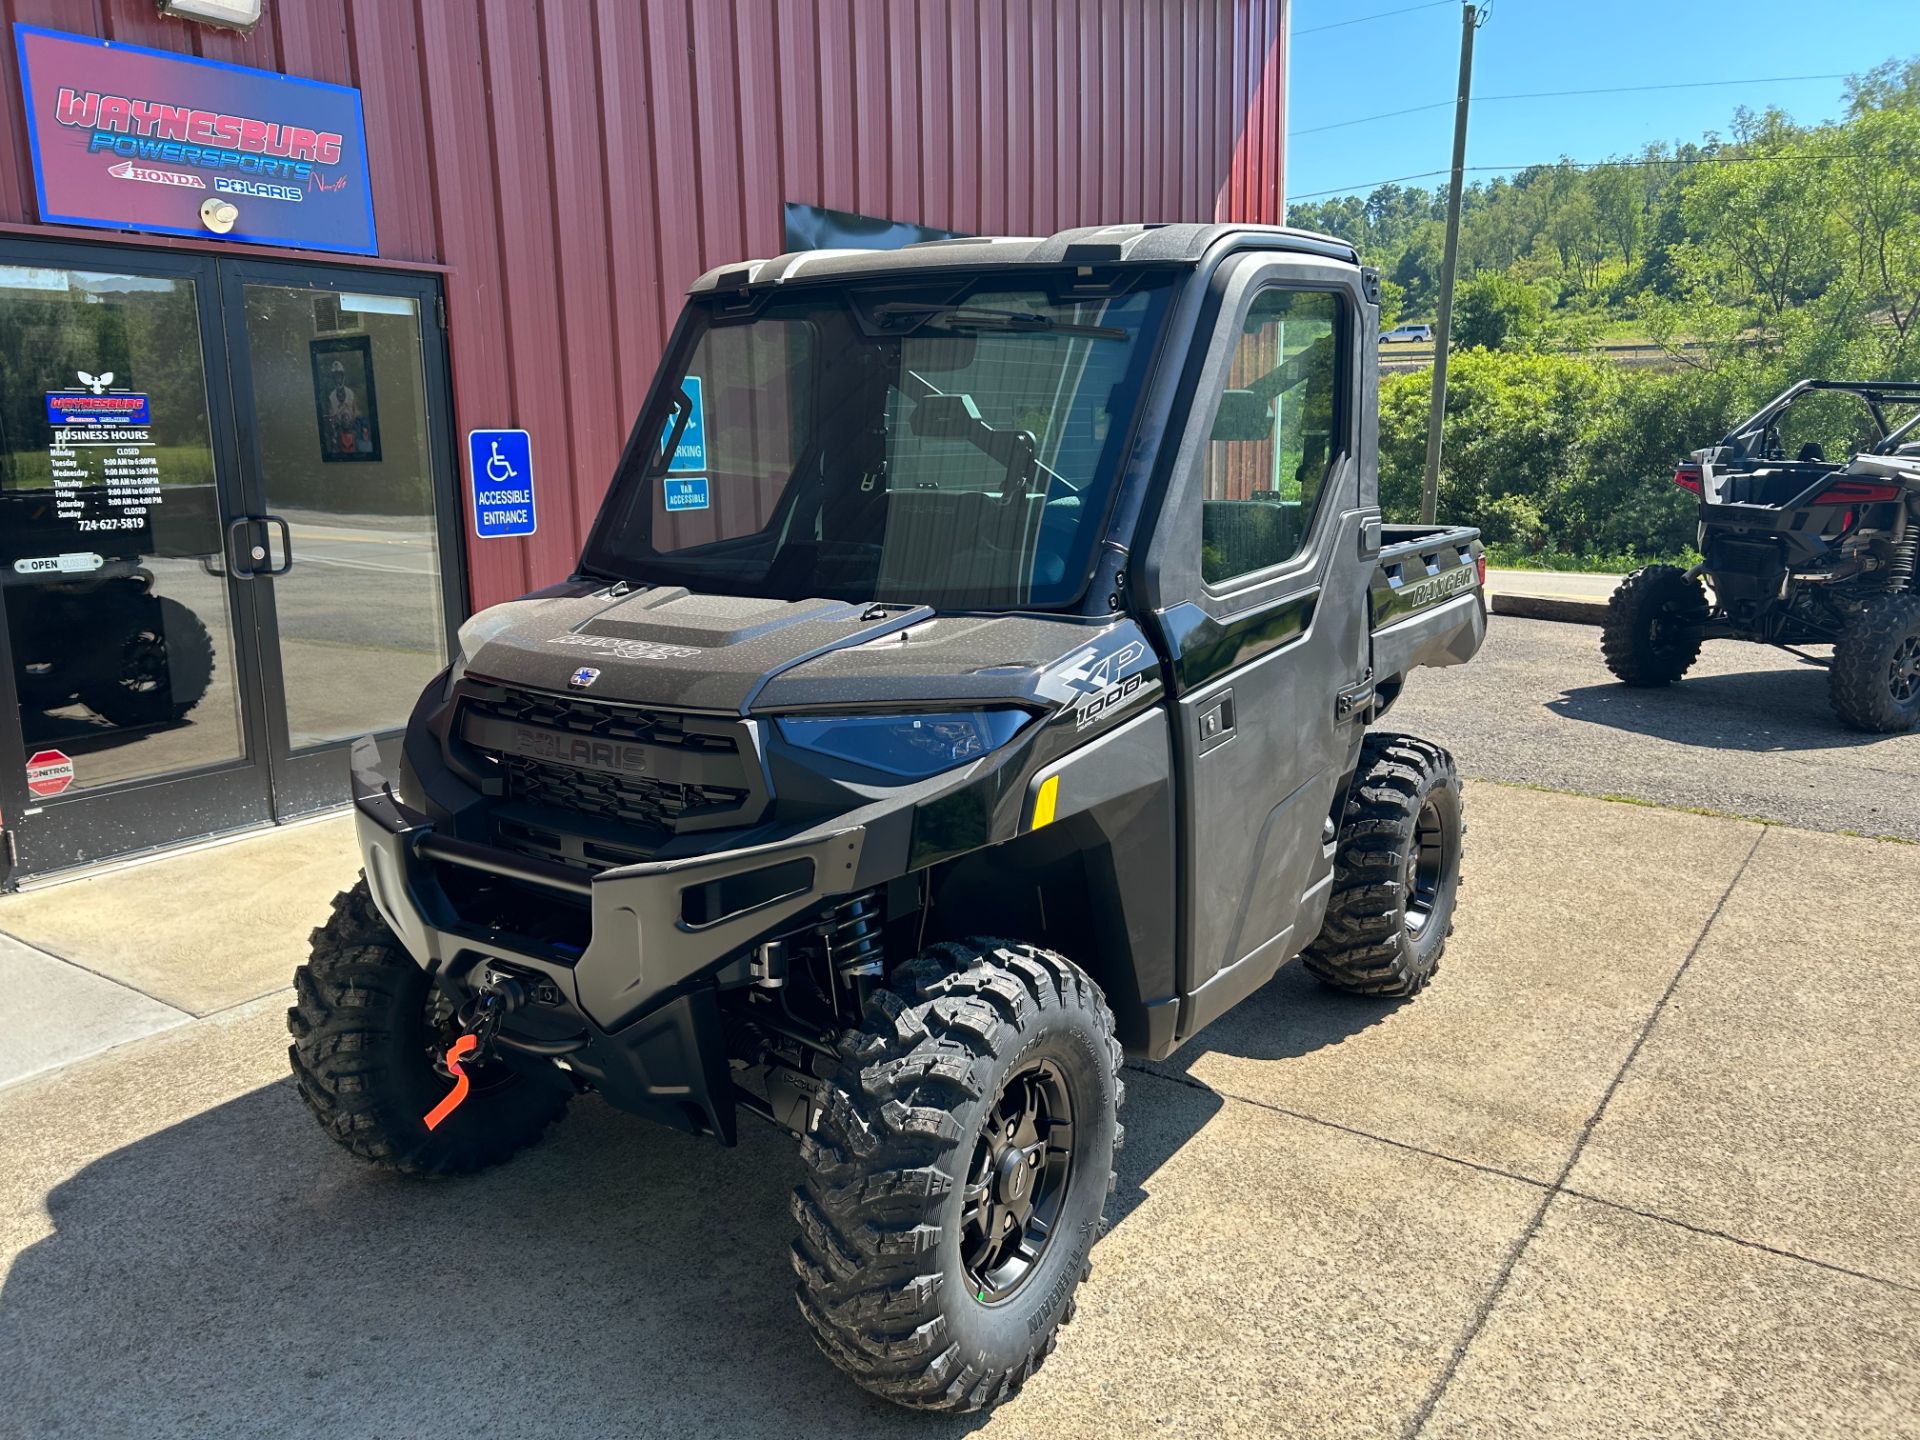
(236,14)
(219,215)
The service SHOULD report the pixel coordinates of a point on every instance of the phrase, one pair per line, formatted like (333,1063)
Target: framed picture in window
(344,399)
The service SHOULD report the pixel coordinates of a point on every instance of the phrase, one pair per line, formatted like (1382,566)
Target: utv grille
(583,717)
(624,799)
(589,785)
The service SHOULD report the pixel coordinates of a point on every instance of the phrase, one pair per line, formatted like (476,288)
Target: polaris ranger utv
(966,683)
(1800,550)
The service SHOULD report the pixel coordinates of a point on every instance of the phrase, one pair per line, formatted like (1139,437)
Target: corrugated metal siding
(576,163)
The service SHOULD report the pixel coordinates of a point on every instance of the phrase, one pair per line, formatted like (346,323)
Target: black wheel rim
(1903,674)
(1018,1181)
(1426,866)
(145,666)
(1666,630)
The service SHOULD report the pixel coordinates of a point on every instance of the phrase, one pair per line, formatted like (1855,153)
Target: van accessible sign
(127,138)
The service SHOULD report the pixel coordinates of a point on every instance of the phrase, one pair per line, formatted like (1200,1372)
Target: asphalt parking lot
(1632,1167)
(1748,732)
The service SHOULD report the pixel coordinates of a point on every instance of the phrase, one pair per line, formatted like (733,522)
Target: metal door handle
(286,545)
(237,557)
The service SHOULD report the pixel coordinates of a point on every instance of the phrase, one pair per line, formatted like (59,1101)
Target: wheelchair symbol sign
(500,468)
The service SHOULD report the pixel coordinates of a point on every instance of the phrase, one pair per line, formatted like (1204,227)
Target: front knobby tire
(1396,871)
(367,1024)
(1875,680)
(1655,624)
(980,1094)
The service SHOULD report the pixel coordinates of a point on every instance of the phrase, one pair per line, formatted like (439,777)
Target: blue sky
(1532,45)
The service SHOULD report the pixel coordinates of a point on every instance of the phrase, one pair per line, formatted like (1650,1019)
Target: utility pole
(1470,20)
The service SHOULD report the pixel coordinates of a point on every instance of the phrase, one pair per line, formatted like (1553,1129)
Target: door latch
(1351,699)
(1216,722)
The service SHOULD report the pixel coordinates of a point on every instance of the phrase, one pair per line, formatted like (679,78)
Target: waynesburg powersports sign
(126,138)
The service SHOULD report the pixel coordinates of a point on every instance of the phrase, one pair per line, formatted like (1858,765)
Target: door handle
(236,554)
(286,545)
(1216,722)
(244,557)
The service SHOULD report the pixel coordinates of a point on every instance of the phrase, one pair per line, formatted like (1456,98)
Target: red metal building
(548,175)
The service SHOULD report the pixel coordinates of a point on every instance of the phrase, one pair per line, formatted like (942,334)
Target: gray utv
(966,684)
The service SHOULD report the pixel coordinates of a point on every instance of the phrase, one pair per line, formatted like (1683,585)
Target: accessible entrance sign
(500,468)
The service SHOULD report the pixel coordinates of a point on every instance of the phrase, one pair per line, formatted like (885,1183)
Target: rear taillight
(1480,564)
(1856,492)
(1687,477)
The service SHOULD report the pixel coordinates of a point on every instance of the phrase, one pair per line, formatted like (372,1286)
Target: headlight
(911,745)
(476,632)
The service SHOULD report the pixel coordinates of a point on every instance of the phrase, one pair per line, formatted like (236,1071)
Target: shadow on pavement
(236,1274)
(1292,1015)
(1762,710)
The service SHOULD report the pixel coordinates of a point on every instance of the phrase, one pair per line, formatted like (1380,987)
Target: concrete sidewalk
(1644,1161)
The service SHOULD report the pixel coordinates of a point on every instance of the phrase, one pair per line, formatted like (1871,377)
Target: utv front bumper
(631,1011)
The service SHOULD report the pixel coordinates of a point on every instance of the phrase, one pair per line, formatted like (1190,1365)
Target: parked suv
(965,684)
(1421,334)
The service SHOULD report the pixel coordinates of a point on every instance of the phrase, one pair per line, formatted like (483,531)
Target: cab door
(1257,577)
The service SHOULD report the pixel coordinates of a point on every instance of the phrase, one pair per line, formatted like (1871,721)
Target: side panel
(1091,875)
(1257,663)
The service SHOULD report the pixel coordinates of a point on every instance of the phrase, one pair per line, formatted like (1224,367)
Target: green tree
(1495,311)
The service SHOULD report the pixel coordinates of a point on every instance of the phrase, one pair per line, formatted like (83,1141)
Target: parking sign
(500,466)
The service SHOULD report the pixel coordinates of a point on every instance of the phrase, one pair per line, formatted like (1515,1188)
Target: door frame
(315,777)
(269,781)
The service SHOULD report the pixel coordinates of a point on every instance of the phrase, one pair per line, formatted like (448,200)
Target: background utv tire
(362,1056)
(1875,680)
(898,1278)
(1396,871)
(161,668)
(1655,623)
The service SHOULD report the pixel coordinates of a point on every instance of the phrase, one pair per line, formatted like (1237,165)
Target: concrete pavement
(1642,1162)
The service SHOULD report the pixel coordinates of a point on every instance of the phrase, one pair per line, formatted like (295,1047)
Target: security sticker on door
(500,466)
(691,452)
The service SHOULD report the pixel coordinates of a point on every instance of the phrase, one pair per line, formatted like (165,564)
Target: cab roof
(1180,244)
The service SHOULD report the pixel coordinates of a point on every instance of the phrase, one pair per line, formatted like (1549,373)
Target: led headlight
(476,632)
(913,746)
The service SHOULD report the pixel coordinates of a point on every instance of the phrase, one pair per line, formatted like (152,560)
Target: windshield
(953,446)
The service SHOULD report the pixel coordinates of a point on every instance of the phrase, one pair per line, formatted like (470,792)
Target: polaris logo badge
(583,677)
(578,750)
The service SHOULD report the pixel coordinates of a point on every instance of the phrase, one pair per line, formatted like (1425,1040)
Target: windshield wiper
(981,317)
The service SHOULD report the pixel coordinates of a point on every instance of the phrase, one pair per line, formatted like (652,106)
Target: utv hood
(675,649)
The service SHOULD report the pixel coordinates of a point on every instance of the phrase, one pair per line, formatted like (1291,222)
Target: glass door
(342,418)
(128,680)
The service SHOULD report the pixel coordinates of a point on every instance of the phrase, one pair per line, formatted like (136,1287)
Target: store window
(1274,436)
(110,531)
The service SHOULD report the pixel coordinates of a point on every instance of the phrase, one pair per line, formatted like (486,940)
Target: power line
(1364,119)
(1671,85)
(1805,158)
(1561,94)
(1382,15)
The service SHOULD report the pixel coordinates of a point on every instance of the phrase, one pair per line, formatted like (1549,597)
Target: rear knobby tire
(1875,680)
(1655,623)
(1396,871)
(364,1041)
(892,1245)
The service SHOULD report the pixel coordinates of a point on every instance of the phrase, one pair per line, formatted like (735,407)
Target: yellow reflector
(1044,802)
